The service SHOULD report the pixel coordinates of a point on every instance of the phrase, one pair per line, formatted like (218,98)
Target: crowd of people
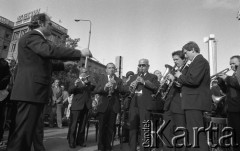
(184,94)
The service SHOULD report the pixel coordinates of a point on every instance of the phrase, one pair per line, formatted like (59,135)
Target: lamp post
(89,36)
(212,53)
(238,15)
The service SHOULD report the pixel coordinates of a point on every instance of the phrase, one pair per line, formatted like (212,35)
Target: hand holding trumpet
(222,76)
(177,74)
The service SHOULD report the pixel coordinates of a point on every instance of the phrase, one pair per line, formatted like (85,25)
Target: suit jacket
(4,74)
(144,100)
(196,85)
(173,100)
(81,96)
(114,101)
(33,79)
(232,89)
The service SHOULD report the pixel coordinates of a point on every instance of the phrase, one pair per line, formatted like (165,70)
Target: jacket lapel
(195,60)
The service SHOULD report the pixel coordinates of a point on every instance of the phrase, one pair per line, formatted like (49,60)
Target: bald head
(143,61)
(143,65)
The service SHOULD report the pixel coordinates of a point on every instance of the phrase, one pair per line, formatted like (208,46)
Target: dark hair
(191,46)
(36,20)
(110,63)
(236,56)
(179,53)
(129,73)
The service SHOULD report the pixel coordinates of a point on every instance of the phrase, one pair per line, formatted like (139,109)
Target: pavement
(55,139)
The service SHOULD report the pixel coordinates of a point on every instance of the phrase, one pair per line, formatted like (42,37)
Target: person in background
(33,79)
(57,100)
(215,89)
(65,96)
(158,74)
(125,128)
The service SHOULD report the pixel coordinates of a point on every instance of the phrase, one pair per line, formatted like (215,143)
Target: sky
(136,29)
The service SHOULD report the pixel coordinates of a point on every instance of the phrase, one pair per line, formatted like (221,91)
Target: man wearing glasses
(33,80)
(143,85)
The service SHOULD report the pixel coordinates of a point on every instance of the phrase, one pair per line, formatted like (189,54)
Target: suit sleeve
(58,66)
(77,89)
(5,77)
(222,85)
(232,81)
(120,87)
(99,89)
(43,48)
(125,87)
(195,75)
(152,84)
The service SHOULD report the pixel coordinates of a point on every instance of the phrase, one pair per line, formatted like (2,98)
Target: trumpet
(164,81)
(131,95)
(164,95)
(215,76)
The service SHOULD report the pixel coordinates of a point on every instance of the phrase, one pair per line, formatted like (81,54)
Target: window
(5,47)
(1,33)
(23,32)
(16,35)
(13,47)
(8,36)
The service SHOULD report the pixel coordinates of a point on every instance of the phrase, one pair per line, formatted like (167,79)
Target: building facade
(59,33)
(58,37)
(94,67)
(6,30)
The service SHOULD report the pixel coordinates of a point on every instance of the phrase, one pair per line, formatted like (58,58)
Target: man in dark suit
(146,85)
(231,87)
(172,107)
(5,76)
(33,79)
(108,89)
(81,103)
(196,95)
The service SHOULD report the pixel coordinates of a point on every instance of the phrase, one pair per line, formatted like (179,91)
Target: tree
(72,43)
(70,72)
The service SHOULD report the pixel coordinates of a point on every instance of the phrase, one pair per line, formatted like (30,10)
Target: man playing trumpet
(231,87)
(81,103)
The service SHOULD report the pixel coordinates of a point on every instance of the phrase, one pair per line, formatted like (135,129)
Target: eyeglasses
(142,65)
